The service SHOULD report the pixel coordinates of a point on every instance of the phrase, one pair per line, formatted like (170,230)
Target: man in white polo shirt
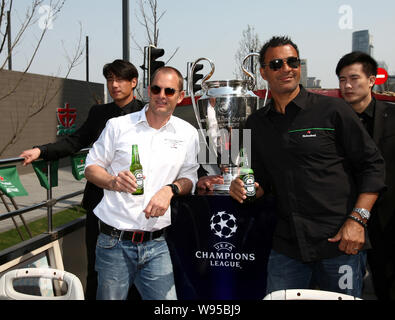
(131,247)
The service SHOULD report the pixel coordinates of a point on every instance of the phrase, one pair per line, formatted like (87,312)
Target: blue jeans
(343,274)
(119,264)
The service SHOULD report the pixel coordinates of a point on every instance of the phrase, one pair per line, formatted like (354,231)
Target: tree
(32,16)
(44,16)
(249,43)
(149,17)
(150,22)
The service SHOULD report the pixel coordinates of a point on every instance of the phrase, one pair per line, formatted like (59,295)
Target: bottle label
(139,177)
(249,184)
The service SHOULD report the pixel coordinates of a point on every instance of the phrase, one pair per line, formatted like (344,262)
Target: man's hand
(207,182)
(124,182)
(238,192)
(351,236)
(30,155)
(159,203)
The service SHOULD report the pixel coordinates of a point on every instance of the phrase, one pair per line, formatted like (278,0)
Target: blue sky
(211,29)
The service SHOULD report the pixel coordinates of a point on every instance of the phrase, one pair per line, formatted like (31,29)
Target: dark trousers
(381,258)
(91,234)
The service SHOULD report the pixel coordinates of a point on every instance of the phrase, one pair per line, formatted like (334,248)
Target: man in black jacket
(121,79)
(357,75)
(325,172)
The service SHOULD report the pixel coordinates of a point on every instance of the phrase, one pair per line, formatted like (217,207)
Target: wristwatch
(174,188)
(364,213)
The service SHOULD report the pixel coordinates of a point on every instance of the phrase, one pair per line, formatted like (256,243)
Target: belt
(134,236)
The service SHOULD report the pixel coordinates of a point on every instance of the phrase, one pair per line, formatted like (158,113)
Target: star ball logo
(223,224)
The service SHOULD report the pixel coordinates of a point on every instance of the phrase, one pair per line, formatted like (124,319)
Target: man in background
(357,75)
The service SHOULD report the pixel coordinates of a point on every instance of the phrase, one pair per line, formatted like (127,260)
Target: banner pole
(49,199)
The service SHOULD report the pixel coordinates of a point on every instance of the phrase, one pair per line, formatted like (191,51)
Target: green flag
(10,183)
(41,169)
(78,165)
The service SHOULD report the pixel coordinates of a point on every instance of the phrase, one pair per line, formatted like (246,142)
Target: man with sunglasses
(131,248)
(357,75)
(122,77)
(312,153)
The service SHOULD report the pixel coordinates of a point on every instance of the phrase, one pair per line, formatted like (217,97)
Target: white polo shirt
(166,155)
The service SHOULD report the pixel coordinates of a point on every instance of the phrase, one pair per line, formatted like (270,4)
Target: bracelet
(358,220)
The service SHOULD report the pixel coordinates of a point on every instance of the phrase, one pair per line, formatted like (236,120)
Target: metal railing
(49,203)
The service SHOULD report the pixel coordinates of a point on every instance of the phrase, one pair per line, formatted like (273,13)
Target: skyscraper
(362,41)
(303,72)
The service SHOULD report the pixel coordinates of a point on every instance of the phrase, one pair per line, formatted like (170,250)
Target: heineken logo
(8,186)
(249,184)
(66,119)
(310,132)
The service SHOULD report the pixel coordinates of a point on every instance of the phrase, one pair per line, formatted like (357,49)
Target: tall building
(313,83)
(303,72)
(362,41)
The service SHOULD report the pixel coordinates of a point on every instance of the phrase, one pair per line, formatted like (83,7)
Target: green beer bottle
(137,169)
(246,174)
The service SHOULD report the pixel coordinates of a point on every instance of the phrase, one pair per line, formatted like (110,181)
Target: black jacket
(316,158)
(384,136)
(87,134)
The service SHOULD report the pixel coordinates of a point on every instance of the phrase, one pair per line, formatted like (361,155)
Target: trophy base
(228,178)
(221,187)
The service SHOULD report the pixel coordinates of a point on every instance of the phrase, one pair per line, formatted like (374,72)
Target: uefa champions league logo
(223,224)
(226,255)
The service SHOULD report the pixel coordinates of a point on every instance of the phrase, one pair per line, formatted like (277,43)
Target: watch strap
(174,188)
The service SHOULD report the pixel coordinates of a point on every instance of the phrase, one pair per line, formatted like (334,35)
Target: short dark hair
(120,68)
(369,65)
(273,43)
(169,69)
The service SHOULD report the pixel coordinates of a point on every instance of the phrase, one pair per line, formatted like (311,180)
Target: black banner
(219,247)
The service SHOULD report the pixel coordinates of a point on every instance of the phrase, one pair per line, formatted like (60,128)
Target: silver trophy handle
(190,87)
(253,80)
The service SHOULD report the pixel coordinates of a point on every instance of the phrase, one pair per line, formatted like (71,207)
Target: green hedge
(11,237)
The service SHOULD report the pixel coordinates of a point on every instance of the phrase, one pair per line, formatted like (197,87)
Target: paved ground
(36,194)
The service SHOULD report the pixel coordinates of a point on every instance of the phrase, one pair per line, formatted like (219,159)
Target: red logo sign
(381,77)
(66,118)
(67,115)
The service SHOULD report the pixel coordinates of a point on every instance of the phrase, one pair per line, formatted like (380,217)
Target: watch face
(365,214)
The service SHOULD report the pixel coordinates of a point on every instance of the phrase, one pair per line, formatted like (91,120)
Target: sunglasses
(169,92)
(277,64)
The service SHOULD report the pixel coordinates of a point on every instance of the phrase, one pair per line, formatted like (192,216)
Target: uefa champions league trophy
(221,113)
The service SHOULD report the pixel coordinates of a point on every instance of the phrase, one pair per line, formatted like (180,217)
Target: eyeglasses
(277,64)
(169,92)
